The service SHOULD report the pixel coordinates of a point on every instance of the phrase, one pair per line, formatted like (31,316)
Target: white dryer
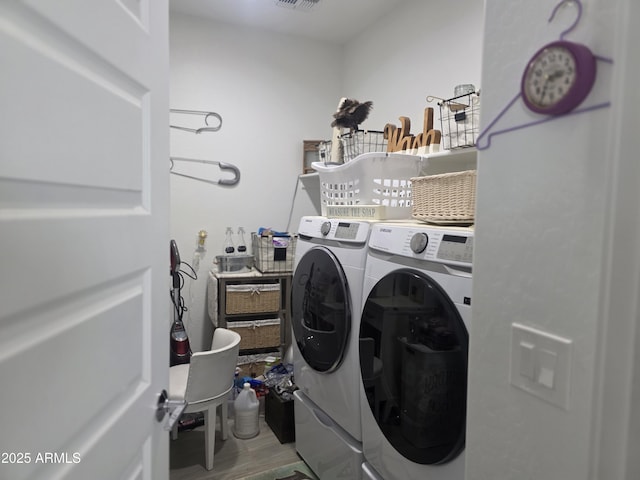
(413,351)
(326,300)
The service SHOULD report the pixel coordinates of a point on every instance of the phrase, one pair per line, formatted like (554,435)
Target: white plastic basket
(382,179)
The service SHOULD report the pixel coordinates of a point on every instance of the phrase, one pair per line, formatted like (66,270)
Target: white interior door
(84,247)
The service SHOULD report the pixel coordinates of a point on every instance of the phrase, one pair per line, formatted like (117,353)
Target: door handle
(173,407)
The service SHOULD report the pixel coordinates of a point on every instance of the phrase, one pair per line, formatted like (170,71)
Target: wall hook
(487,133)
(222,165)
(205,114)
(578,5)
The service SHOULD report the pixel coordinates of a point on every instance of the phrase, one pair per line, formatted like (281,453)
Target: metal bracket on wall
(205,114)
(223,166)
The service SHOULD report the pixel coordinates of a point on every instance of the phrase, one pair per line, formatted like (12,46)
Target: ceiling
(335,21)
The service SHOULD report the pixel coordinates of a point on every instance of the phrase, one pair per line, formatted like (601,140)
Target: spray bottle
(228,242)
(242,245)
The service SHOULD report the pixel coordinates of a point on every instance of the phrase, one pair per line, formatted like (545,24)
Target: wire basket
(274,254)
(382,179)
(324,151)
(460,121)
(362,141)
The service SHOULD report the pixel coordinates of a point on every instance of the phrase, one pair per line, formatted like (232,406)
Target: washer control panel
(419,242)
(458,248)
(352,231)
(450,245)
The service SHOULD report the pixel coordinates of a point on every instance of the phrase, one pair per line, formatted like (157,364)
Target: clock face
(558,78)
(550,76)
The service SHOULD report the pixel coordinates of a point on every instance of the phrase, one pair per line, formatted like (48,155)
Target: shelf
(259,351)
(238,317)
(449,161)
(281,312)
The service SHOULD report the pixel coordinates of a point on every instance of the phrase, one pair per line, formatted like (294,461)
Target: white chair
(205,384)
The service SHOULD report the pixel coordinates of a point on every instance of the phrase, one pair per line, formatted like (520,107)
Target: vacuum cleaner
(180,348)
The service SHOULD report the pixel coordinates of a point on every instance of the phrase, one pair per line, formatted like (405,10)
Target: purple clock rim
(585,77)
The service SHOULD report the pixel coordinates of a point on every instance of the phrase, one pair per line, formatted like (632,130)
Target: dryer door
(413,359)
(320,309)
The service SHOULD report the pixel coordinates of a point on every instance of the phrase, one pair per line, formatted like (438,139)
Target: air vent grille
(305,5)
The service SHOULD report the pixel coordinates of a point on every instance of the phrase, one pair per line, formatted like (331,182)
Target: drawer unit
(252,298)
(257,333)
(257,306)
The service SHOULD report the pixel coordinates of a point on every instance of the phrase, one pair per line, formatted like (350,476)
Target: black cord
(181,307)
(194,276)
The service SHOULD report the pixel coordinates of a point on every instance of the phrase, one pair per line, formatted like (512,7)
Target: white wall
(421,49)
(542,251)
(273,91)
(617,421)
(547,197)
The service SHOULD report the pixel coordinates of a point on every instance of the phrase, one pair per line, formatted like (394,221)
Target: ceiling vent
(303,5)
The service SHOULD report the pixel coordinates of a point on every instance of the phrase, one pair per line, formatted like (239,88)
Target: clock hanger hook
(487,133)
(578,5)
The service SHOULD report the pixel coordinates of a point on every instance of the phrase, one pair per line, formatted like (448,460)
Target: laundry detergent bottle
(246,408)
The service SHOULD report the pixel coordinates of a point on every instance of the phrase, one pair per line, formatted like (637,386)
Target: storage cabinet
(257,306)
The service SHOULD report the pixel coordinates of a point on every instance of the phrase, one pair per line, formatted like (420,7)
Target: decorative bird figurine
(351,114)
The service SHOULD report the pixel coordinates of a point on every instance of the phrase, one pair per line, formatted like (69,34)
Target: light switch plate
(541,364)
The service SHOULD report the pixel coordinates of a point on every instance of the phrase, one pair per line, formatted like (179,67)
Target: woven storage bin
(251,369)
(253,365)
(274,254)
(257,333)
(253,298)
(449,198)
(371,179)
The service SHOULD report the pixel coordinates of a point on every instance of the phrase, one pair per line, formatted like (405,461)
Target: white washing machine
(368,473)
(326,300)
(413,351)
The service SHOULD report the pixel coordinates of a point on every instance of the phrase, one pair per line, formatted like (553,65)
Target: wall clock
(556,80)
(558,77)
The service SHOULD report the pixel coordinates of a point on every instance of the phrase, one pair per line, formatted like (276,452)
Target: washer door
(320,309)
(413,359)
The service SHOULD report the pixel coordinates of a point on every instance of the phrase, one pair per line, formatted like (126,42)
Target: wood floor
(233,458)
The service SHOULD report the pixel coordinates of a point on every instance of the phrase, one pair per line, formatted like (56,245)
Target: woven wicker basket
(257,333)
(253,365)
(253,298)
(447,199)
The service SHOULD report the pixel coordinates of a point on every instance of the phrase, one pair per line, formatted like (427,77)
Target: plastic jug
(247,408)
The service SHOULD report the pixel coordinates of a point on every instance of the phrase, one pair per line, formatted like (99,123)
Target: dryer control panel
(437,244)
(352,231)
